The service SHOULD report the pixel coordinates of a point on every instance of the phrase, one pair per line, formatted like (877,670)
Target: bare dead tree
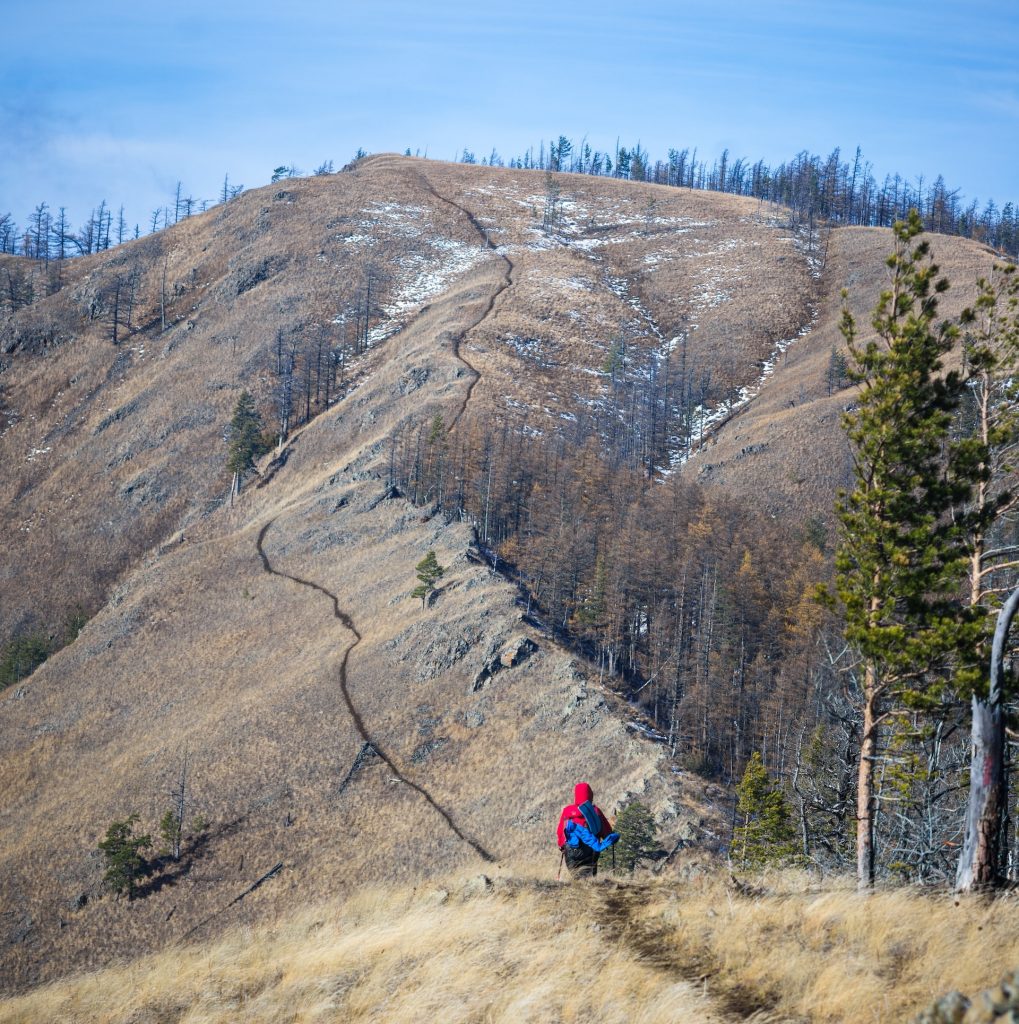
(115,291)
(162,291)
(978,860)
(286,362)
(172,825)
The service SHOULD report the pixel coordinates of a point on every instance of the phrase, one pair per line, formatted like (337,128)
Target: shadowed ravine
(348,624)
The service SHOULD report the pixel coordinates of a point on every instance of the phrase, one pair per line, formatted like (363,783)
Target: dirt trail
(507,281)
(355,715)
(620,908)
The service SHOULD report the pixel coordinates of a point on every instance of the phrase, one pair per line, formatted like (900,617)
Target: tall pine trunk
(865,784)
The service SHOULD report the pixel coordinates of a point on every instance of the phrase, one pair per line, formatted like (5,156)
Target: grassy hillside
(785,446)
(252,672)
(110,448)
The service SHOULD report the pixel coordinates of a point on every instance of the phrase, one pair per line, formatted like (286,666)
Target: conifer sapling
(637,835)
(122,852)
(429,572)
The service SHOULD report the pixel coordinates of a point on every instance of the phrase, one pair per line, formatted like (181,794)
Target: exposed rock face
(510,655)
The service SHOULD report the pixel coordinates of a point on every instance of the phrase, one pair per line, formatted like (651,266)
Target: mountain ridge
(212,627)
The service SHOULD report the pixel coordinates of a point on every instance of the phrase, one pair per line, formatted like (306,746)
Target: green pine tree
(765,834)
(637,835)
(836,371)
(429,572)
(22,655)
(591,612)
(900,556)
(247,440)
(437,432)
(121,850)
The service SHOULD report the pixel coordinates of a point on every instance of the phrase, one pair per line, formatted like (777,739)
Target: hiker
(583,833)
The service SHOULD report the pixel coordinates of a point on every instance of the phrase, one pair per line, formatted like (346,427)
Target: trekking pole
(562,857)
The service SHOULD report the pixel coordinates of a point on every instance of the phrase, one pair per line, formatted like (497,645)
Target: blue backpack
(577,834)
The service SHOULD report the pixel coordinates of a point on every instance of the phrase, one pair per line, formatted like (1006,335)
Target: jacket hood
(582,792)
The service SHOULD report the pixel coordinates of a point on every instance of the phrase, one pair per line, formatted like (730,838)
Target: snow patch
(705,418)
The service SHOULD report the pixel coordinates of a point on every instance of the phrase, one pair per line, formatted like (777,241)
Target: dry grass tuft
(823,952)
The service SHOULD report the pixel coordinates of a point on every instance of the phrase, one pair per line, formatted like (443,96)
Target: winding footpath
(279,459)
(506,282)
(348,623)
(369,743)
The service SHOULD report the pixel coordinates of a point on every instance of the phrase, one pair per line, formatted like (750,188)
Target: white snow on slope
(704,417)
(424,277)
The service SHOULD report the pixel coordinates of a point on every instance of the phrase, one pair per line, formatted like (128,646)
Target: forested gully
(698,608)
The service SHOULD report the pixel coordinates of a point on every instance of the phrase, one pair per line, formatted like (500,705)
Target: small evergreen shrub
(429,572)
(637,835)
(122,852)
(765,834)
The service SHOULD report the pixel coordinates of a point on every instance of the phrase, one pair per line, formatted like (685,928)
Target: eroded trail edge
(355,715)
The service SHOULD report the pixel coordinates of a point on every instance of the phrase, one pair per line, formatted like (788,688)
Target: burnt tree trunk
(978,859)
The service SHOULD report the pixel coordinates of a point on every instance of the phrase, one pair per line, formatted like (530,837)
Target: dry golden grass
(786,450)
(198,645)
(521,952)
(822,952)
(201,646)
(107,450)
(524,950)
(708,266)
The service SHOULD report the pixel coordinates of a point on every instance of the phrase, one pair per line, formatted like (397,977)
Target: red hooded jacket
(582,792)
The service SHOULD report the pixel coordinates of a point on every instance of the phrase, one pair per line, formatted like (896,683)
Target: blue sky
(117,100)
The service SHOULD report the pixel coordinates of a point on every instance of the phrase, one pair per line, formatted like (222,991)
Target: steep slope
(274,685)
(111,448)
(784,447)
(272,642)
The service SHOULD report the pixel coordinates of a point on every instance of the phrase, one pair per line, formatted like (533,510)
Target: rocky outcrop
(508,656)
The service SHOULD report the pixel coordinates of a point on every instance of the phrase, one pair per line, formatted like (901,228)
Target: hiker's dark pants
(581,861)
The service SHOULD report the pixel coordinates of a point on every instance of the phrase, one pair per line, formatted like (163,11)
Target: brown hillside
(784,449)
(274,640)
(108,450)
(274,685)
